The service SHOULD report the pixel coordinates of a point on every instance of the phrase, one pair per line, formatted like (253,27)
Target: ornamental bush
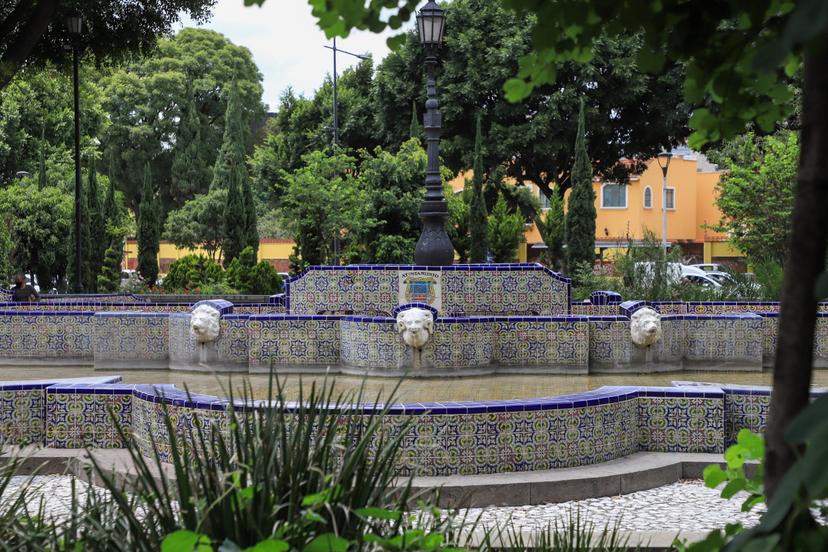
(246,276)
(192,271)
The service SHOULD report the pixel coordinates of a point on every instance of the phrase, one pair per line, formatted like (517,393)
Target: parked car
(712,267)
(723,278)
(702,280)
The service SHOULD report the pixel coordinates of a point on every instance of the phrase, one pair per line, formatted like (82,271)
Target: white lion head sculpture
(645,327)
(204,323)
(416,326)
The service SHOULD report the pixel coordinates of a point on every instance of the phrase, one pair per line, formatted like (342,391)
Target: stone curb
(637,472)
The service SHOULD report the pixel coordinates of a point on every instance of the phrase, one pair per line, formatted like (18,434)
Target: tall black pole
(434,246)
(335,112)
(78,262)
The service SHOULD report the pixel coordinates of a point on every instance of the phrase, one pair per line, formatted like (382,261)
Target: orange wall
(273,250)
(694,206)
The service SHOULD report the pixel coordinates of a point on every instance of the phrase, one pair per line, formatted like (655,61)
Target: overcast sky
(287,45)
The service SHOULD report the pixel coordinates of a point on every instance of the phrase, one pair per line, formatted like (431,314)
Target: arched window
(648,198)
(614,196)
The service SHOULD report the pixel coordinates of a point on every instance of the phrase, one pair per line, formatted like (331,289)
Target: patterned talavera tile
(465,291)
(722,339)
(46,335)
(131,337)
(681,424)
(22,417)
(78,420)
(743,411)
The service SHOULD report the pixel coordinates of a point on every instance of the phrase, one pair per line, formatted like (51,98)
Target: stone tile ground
(685,505)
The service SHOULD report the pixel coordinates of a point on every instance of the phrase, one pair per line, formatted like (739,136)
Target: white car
(711,267)
(703,280)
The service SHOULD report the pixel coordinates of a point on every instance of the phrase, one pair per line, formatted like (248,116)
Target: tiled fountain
(368,320)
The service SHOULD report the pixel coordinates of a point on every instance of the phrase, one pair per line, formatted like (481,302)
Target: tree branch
(15,16)
(27,38)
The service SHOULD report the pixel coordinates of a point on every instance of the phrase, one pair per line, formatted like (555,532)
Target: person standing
(23,291)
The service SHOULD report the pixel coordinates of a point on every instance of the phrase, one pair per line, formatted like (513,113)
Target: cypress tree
(85,240)
(97,228)
(231,154)
(580,218)
(109,280)
(552,232)
(149,229)
(41,172)
(190,173)
(478,217)
(415,131)
(251,232)
(234,219)
(111,212)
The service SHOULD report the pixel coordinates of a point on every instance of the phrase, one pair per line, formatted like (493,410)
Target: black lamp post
(434,246)
(75,25)
(664,163)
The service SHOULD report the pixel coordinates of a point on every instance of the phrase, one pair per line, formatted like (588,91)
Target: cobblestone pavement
(56,491)
(685,505)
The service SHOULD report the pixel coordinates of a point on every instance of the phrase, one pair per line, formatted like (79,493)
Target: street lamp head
(430,24)
(664,159)
(74,22)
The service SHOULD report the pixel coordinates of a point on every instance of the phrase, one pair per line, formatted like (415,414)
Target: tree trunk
(809,232)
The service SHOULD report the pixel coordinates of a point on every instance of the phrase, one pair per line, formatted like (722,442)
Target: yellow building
(273,250)
(624,211)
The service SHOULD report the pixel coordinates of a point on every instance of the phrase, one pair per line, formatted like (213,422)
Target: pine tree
(234,219)
(231,154)
(478,226)
(85,243)
(580,218)
(109,280)
(415,130)
(42,182)
(506,232)
(111,211)
(551,229)
(149,230)
(251,232)
(189,172)
(97,228)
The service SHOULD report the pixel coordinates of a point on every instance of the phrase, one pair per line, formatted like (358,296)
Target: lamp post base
(434,246)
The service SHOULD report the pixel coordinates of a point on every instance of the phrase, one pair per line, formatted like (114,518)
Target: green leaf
(395,42)
(379,513)
(752,442)
(733,487)
(714,476)
(650,60)
(186,541)
(327,542)
(269,545)
(516,89)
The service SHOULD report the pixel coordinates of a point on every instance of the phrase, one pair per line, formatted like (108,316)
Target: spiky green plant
(320,468)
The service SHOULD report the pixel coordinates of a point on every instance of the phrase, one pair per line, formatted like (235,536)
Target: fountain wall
(445,438)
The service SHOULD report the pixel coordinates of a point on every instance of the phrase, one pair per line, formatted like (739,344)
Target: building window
(648,198)
(670,198)
(614,196)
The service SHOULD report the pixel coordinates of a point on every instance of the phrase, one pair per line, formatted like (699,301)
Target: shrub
(245,276)
(192,271)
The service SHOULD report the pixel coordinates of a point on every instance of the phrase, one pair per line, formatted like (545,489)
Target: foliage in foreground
(790,522)
(322,477)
